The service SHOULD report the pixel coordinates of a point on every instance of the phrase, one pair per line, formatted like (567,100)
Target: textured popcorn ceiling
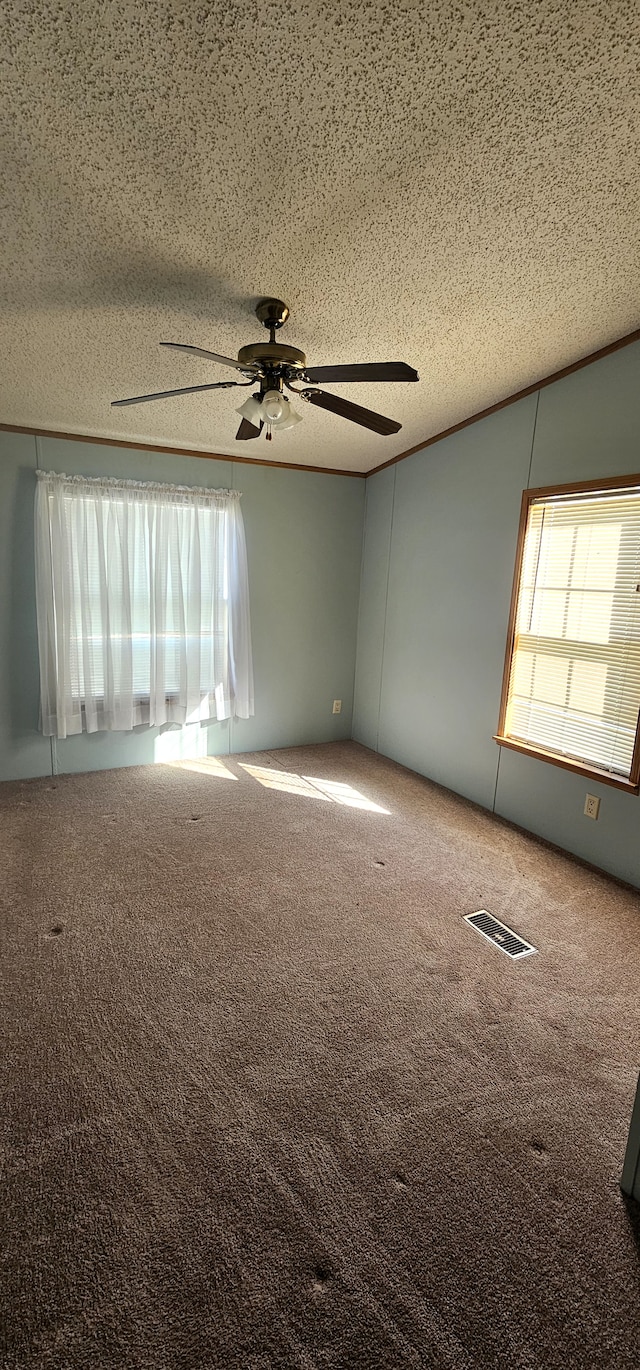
(452,185)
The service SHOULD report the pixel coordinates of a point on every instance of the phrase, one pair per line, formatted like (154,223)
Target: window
(142,599)
(571,688)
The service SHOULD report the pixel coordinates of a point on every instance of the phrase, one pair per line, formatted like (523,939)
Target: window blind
(574,682)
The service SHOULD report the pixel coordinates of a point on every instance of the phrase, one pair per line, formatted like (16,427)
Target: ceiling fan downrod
(273,314)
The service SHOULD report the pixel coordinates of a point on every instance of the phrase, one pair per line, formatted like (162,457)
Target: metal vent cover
(502,937)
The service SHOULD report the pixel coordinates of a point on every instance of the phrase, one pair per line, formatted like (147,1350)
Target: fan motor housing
(272,355)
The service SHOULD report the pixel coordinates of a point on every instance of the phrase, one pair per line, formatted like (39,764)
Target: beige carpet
(269,1102)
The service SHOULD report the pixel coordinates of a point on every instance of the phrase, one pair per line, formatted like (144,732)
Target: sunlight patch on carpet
(332,791)
(345,794)
(205,765)
(282,780)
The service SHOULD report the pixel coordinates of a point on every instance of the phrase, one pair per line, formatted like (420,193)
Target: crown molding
(512,399)
(174,451)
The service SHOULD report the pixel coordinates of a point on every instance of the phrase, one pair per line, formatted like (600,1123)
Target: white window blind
(143,608)
(574,682)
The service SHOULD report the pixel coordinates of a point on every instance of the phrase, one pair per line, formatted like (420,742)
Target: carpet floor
(269,1102)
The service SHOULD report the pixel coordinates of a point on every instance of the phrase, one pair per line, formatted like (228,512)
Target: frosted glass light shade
(251,410)
(278,412)
(289,419)
(274,407)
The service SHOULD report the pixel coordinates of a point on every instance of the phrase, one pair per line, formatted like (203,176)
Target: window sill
(618,782)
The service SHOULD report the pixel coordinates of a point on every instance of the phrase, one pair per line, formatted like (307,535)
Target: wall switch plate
(592,806)
(337,706)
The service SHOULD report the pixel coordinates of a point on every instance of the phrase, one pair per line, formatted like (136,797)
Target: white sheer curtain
(143,604)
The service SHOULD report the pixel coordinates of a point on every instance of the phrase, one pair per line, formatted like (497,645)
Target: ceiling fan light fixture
(274,407)
(251,410)
(277,412)
(290,418)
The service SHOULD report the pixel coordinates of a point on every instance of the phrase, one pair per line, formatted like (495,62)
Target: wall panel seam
(533,443)
(386,604)
(360,586)
(53,750)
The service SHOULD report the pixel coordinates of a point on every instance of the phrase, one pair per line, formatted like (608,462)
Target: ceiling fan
(273,366)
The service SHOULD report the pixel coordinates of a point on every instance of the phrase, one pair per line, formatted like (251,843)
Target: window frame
(592,772)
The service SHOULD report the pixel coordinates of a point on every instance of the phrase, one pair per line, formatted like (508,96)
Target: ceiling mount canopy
(272,366)
(272,313)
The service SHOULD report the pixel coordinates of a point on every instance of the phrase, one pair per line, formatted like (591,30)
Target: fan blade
(355,412)
(213,356)
(165,394)
(247,430)
(363,371)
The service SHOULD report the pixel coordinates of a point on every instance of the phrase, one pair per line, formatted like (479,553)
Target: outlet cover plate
(592,806)
(337,706)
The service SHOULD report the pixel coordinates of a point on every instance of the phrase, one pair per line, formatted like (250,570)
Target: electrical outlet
(592,806)
(337,706)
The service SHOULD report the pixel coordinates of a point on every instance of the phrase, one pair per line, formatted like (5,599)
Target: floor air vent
(502,937)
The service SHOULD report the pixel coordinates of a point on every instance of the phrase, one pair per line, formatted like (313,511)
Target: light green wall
(23,750)
(373,603)
(438,563)
(304,535)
